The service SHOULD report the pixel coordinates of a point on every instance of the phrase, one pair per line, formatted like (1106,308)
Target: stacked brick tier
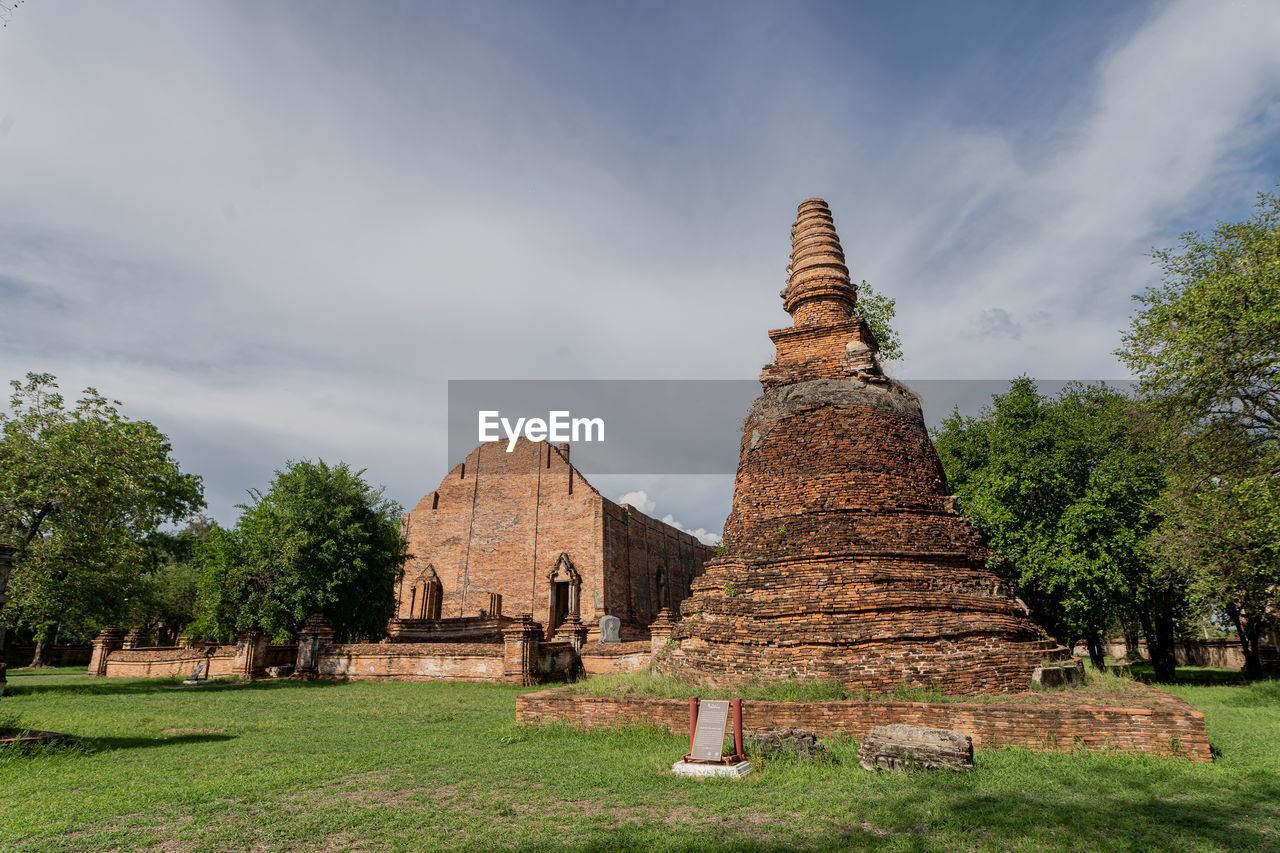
(845,558)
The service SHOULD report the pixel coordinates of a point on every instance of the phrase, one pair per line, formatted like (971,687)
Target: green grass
(1098,687)
(642,685)
(404,766)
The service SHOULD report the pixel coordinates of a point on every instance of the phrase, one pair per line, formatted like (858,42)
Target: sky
(278,230)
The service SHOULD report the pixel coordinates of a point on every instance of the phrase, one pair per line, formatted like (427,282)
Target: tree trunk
(37,659)
(1158,628)
(1093,641)
(1247,630)
(1132,648)
(1164,659)
(4,656)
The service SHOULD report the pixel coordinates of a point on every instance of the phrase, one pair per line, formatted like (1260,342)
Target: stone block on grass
(804,745)
(1070,674)
(900,747)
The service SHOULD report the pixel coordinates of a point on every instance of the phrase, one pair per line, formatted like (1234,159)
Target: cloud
(1170,128)
(702,534)
(279,235)
(641,501)
(996,323)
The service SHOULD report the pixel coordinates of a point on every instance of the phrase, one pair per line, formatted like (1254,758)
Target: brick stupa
(844,557)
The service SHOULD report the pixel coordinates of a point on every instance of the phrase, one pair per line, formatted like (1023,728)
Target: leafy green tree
(320,540)
(879,311)
(1064,490)
(1225,536)
(82,491)
(165,598)
(1206,346)
(1206,342)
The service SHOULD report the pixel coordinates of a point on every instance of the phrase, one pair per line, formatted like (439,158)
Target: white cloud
(1173,124)
(641,501)
(702,534)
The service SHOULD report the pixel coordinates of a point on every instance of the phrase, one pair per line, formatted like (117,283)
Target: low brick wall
(413,661)
(606,658)
(1168,726)
(1222,654)
(171,661)
(282,655)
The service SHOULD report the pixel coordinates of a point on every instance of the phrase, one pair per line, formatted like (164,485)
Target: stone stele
(845,558)
(900,747)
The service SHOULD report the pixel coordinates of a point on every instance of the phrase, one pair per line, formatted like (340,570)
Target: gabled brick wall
(501,523)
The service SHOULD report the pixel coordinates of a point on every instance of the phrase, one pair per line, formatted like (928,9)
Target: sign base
(691,768)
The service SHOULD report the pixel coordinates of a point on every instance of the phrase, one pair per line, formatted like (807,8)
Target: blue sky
(277,230)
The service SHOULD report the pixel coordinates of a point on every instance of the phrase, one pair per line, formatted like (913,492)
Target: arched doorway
(564,587)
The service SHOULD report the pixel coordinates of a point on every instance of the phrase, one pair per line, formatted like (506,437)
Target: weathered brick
(846,558)
(1044,722)
(505,523)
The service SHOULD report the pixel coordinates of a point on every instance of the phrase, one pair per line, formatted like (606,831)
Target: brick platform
(1159,724)
(602,658)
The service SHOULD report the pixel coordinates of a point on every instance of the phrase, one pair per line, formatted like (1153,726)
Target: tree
(878,310)
(320,540)
(165,598)
(1206,342)
(1206,346)
(1064,489)
(1226,537)
(81,493)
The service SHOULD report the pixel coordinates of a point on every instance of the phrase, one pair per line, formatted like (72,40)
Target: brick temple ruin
(523,534)
(846,559)
(515,560)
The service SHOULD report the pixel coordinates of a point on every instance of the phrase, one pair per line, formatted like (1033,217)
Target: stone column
(136,638)
(251,647)
(110,639)
(311,642)
(520,640)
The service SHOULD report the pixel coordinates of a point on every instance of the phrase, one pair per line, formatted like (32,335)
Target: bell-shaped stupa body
(844,557)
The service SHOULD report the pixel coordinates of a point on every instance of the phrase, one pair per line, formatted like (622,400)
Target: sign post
(706,740)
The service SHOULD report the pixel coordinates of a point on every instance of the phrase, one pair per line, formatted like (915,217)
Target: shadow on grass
(1193,675)
(124,686)
(70,744)
(1125,809)
(1112,809)
(108,744)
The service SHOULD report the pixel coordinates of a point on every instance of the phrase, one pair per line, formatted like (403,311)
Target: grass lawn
(403,766)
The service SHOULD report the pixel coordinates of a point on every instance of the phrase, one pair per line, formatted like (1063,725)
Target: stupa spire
(818,288)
